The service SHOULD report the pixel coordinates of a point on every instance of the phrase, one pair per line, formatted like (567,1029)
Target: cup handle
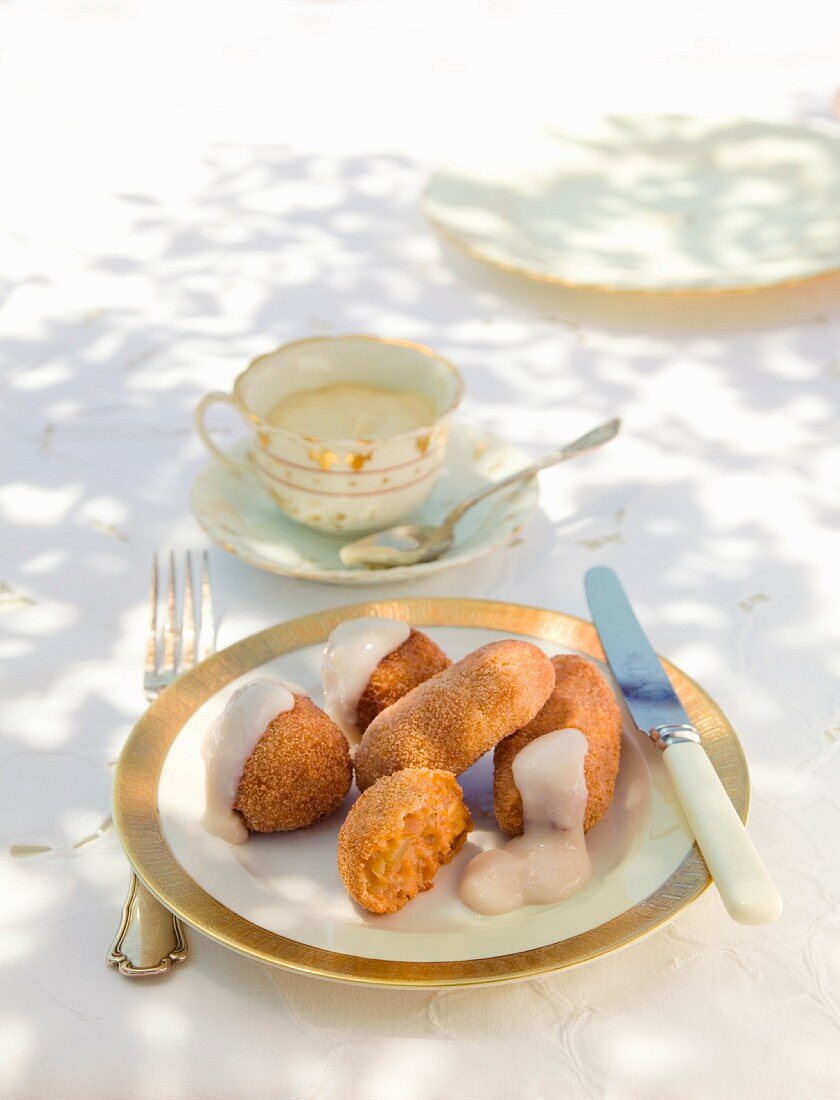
(200,409)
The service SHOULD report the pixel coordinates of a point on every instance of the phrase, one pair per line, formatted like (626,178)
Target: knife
(743,882)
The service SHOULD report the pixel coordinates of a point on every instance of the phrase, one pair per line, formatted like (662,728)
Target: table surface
(187,185)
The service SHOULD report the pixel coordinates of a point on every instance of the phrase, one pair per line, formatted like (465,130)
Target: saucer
(238,516)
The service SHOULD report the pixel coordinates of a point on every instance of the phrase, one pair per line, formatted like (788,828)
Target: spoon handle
(588,442)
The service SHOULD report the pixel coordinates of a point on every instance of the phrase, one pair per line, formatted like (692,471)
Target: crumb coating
(452,719)
(298,773)
(582,699)
(397,835)
(416,660)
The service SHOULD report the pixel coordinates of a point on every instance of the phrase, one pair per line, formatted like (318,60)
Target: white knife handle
(742,880)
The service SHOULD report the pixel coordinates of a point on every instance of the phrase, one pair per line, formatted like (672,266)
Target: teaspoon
(411,543)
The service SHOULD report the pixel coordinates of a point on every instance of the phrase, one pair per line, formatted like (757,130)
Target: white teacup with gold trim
(348,433)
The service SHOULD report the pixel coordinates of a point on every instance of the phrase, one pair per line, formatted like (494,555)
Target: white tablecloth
(185,185)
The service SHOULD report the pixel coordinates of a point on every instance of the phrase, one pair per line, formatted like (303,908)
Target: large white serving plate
(280,897)
(658,203)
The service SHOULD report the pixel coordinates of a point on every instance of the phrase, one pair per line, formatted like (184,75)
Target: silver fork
(150,938)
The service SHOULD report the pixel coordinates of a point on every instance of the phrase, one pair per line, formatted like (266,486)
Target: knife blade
(650,697)
(742,880)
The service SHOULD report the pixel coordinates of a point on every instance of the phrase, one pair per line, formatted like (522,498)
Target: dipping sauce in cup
(349,409)
(348,433)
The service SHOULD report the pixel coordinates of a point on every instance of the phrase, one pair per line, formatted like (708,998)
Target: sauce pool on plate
(549,861)
(349,410)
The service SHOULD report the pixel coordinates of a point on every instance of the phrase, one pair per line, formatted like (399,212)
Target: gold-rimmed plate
(279,898)
(648,204)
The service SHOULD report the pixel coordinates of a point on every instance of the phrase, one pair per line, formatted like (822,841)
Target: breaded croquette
(397,835)
(452,719)
(371,662)
(582,699)
(412,663)
(298,773)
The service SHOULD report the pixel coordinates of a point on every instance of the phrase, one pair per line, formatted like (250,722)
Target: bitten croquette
(398,834)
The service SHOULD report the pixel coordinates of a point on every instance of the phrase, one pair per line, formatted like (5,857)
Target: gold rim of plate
(139,828)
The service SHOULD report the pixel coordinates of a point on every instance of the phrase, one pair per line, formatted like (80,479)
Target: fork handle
(150,938)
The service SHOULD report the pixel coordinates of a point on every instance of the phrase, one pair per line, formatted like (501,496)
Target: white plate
(289,884)
(238,516)
(279,898)
(659,203)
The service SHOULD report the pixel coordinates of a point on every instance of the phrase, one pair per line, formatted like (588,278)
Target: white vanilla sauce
(549,861)
(353,651)
(348,410)
(229,742)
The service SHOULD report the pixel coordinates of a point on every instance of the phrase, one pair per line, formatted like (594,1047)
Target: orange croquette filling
(405,865)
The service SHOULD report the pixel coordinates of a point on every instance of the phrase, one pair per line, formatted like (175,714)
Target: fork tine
(208,626)
(151,640)
(170,628)
(188,618)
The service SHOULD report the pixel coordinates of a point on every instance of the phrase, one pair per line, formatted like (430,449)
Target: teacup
(342,485)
